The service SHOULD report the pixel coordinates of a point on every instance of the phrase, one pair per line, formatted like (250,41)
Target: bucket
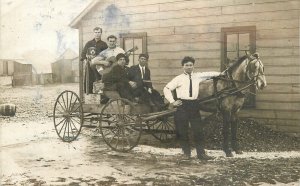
(7,109)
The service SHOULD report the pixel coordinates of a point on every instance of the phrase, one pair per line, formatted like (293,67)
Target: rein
(234,90)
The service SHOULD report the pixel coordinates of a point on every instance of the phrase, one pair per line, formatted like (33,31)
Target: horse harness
(233,89)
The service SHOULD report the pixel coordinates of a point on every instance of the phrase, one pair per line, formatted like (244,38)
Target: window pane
(136,59)
(244,42)
(232,56)
(130,60)
(139,43)
(232,40)
(128,44)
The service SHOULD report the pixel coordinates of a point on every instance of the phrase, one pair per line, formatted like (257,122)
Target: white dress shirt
(142,69)
(181,84)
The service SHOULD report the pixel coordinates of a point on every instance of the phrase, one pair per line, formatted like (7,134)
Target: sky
(37,31)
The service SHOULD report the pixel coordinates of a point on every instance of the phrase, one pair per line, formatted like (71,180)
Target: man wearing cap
(140,80)
(90,50)
(187,89)
(117,79)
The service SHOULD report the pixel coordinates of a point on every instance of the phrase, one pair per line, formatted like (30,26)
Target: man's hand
(133,84)
(177,103)
(150,90)
(111,59)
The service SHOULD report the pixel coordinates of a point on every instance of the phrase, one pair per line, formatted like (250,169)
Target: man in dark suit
(140,80)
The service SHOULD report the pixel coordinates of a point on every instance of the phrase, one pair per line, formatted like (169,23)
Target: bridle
(249,68)
(238,86)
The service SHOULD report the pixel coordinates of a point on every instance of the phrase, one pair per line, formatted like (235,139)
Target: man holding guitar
(107,57)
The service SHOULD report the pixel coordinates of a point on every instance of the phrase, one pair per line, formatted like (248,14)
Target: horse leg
(226,126)
(234,141)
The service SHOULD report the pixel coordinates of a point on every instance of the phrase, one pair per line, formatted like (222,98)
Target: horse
(225,94)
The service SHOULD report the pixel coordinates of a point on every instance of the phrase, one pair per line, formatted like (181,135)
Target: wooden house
(212,31)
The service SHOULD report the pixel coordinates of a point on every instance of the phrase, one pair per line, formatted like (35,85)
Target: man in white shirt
(187,89)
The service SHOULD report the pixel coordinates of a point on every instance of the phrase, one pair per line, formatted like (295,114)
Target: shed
(21,74)
(212,32)
(63,70)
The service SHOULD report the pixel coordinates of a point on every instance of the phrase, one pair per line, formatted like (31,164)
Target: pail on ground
(7,109)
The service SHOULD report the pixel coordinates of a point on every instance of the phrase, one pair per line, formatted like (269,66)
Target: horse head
(255,71)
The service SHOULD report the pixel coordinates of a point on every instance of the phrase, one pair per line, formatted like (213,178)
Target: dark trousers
(187,113)
(125,90)
(156,98)
(91,75)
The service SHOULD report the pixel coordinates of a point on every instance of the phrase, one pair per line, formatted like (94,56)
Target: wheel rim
(120,129)
(162,128)
(68,116)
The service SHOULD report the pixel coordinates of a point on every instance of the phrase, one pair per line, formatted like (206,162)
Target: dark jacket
(91,73)
(118,74)
(134,74)
(99,45)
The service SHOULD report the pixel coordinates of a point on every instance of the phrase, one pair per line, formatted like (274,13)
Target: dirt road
(32,154)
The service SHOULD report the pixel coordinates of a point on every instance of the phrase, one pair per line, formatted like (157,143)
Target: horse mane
(237,63)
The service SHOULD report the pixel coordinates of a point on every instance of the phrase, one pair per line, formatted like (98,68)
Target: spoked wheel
(120,128)
(68,116)
(162,128)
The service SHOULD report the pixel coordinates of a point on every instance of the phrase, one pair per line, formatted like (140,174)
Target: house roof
(68,54)
(75,22)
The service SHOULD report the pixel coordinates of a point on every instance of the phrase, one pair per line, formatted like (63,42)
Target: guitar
(102,69)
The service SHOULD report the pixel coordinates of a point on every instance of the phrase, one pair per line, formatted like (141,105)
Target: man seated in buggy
(117,80)
(140,80)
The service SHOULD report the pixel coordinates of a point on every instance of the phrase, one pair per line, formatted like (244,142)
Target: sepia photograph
(149,92)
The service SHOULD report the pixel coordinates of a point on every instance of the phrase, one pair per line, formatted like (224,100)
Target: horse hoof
(238,152)
(229,154)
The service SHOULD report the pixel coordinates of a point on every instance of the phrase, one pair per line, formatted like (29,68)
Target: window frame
(251,30)
(138,35)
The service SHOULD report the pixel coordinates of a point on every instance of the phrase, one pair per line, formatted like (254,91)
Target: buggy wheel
(119,127)
(162,128)
(68,116)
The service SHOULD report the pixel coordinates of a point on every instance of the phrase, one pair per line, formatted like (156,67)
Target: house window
(131,40)
(236,41)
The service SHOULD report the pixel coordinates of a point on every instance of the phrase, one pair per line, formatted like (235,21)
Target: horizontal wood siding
(176,28)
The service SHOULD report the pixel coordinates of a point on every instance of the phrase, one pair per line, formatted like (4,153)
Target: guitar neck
(128,52)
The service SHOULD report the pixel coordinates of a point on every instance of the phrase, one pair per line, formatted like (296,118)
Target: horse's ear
(247,53)
(256,55)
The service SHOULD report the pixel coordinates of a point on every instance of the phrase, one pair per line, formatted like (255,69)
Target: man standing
(97,46)
(140,81)
(187,88)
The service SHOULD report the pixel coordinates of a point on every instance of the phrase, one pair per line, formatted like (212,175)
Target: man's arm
(131,77)
(100,59)
(148,77)
(168,94)
(84,51)
(207,75)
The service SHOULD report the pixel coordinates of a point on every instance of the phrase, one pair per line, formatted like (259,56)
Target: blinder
(251,68)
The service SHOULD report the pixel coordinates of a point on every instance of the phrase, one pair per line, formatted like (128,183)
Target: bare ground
(32,153)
